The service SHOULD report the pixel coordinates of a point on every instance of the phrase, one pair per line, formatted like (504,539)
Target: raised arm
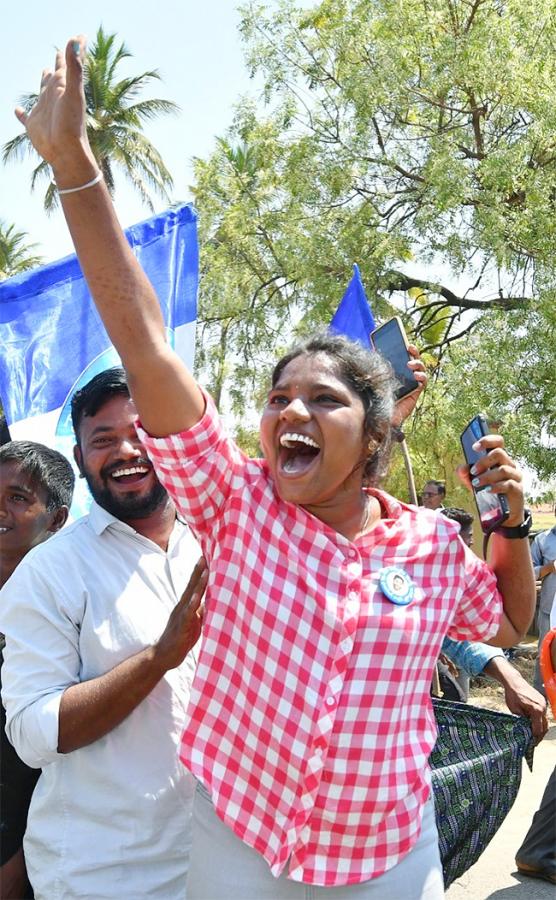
(166,395)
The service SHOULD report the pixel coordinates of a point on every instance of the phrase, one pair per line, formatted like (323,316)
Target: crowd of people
(283,750)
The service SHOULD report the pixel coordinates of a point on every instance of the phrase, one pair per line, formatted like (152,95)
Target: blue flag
(52,340)
(354,318)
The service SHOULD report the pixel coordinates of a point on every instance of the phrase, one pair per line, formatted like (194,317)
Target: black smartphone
(493,509)
(390,340)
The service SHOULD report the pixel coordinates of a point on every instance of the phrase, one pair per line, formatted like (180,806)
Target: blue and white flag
(52,340)
(354,318)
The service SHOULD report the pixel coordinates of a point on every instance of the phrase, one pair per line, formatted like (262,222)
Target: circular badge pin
(396,585)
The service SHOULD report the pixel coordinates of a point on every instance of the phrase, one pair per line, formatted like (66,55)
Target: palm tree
(16,255)
(114,125)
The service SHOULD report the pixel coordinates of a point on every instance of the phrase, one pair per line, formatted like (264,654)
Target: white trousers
(222,867)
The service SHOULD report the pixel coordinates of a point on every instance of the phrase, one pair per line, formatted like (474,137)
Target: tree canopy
(115,120)
(410,136)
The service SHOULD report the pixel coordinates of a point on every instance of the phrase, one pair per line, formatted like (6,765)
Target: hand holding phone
(493,509)
(390,340)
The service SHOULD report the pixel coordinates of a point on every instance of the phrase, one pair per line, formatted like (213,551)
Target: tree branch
(399,281)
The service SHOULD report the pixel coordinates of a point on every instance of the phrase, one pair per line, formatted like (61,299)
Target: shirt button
(318,751)
(353,596)
(346,645)
(330,701)
(352,554)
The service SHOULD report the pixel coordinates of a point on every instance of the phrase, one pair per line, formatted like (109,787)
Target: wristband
(516,532)
(95,180)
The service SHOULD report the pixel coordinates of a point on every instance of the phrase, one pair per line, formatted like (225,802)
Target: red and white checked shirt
(310,720)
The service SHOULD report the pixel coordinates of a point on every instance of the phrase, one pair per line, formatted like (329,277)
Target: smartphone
(391,341)
(493,509)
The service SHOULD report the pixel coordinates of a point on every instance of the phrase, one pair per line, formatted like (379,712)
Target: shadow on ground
(524,889)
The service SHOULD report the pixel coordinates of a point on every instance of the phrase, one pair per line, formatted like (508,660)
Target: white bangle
(83,187)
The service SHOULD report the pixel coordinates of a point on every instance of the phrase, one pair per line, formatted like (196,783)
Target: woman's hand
(56,124)
(405,405)
(500,472)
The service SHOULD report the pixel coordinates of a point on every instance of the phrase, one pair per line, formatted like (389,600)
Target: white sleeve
(41,660)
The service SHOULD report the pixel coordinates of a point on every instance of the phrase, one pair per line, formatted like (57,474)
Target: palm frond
(51,198)
(39,172)
(17,148)
(128,88)
(16,254)
(150,109)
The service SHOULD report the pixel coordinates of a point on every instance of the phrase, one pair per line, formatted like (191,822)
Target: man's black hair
(97,392)
(461,516)
(46,468)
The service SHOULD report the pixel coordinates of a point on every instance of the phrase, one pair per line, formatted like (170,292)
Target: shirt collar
(100,519)
(390,507)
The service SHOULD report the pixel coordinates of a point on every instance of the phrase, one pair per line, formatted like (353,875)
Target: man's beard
(122,506)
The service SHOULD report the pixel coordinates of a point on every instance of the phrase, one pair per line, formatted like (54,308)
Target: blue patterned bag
(476,773)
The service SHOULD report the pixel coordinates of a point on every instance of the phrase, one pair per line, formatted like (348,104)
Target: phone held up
(492,508)
(390,340)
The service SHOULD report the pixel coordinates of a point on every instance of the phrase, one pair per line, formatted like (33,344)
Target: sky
(195,46)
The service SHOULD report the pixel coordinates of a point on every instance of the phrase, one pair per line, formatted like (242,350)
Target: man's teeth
(3,530)
(291,439)
(133,470)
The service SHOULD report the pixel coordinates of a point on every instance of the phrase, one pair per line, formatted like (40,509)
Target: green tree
(115,121)
(410,136)
(16,254)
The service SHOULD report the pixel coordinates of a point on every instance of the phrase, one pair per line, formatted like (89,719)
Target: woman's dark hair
(46,468)
(98,391)
(371,377)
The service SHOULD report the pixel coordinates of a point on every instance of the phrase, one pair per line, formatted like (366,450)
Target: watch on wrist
(515,532)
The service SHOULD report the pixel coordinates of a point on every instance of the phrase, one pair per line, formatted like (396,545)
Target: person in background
(36,487)
(98,667)
(543,554)
(433,495)
(476,658)
(465,521)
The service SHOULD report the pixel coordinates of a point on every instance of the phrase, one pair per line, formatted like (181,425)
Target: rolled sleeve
(34,731)
(41,660)
(472,657)
(198,468)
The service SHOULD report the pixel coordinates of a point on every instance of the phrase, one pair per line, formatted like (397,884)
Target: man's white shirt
(113,818)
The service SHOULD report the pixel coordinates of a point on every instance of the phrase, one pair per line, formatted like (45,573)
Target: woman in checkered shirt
(310,724)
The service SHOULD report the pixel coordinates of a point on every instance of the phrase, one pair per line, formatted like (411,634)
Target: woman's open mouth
(297,453)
